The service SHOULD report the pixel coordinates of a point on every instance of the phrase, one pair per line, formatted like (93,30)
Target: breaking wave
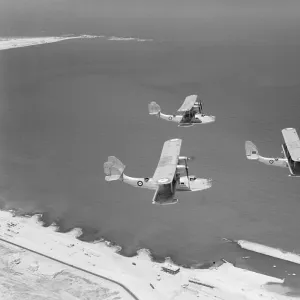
(266,250)
(115,38)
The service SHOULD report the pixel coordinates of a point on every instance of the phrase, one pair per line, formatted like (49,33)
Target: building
(169,268)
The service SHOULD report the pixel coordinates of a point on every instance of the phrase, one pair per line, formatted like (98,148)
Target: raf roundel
(139,183)
(163,180)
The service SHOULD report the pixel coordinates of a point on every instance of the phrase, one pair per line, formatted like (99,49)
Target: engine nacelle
(182,160)
(181,169)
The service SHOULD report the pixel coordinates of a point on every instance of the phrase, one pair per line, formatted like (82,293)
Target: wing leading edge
(167,164)
(188,103)
(292,142)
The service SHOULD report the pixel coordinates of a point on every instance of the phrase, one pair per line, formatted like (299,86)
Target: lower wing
(164,195)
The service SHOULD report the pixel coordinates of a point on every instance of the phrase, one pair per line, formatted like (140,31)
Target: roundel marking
(140,183)
(170,118)
(271,161)
(163,180)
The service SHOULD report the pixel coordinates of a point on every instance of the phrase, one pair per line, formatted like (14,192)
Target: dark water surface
(65,107)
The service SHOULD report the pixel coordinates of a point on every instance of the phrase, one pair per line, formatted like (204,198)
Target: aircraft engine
(182,160)
(181,169)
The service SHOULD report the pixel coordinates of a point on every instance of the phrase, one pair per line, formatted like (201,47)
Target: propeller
(191,158)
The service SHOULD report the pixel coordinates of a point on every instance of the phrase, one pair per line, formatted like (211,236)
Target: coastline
(269,251)
(20,42)
(140,274)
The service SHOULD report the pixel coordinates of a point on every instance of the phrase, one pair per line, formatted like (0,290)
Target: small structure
(169,268)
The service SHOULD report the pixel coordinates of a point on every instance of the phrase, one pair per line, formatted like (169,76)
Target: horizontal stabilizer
(153,108)
(113,169)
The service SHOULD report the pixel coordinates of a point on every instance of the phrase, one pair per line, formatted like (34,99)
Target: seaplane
(189,114)
(170,176)
(290,152)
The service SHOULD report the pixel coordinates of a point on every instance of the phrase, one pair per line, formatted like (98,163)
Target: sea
(65,107)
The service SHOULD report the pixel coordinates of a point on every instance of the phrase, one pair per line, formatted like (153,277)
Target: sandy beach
(18,42)
(143,277)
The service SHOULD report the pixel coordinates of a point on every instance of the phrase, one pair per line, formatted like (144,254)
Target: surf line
(269,251)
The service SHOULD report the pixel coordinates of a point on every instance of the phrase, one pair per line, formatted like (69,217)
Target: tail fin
(154,108)
(113,169)
(251,151)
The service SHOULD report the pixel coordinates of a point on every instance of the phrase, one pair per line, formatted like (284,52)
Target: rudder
(153,108)
(113,169)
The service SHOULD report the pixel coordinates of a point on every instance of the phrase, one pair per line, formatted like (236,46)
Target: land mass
(40,261)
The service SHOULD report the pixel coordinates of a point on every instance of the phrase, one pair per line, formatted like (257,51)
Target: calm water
(65,107)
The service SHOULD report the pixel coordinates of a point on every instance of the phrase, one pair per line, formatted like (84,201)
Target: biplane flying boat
(171,175)
(189,114)
(290,151)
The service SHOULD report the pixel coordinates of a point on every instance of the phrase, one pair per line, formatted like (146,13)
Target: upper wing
(292,142)
(188,103)
(167,164)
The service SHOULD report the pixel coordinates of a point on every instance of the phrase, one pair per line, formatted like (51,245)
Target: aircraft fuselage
(181,184)
(182,120)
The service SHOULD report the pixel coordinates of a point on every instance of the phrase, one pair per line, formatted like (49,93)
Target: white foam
(115,38)
(18,42)
(274,252)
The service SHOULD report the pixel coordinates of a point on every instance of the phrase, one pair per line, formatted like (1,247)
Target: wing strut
(187,172)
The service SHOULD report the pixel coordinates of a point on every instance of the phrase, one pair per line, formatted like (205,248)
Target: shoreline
(78,232)
(7,43)
(269,251)
(242,244)
(143,276)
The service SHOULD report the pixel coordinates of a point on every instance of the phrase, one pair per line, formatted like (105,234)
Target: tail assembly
(251,151)
(113,169)
(154,108)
